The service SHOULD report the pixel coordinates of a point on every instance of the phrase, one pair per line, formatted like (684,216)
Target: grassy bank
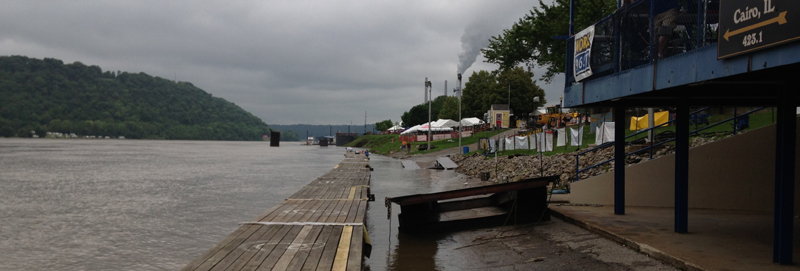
(383,144)
(376,143)
(758,119)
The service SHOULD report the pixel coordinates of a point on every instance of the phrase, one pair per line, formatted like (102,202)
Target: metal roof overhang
(747,80)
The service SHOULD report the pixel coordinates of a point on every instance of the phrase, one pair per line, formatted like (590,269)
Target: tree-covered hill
(48,95)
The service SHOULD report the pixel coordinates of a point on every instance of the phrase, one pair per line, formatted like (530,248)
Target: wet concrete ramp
(409,164)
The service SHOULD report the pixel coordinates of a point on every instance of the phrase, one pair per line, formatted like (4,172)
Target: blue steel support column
(682,167)
(785,142)
(619,160)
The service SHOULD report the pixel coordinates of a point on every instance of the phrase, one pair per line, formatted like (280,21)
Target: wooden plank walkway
(321,227)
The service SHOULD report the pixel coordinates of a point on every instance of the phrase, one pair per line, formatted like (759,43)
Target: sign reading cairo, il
(747,26)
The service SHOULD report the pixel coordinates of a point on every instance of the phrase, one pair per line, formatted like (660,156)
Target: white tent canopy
(433,125)
(434,128)
(411,130)
(396,128)
(444,123)
(470,121)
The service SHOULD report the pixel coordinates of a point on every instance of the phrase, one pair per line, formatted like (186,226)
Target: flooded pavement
(552,245)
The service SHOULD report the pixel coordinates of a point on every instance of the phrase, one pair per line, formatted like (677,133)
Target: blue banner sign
(583,50)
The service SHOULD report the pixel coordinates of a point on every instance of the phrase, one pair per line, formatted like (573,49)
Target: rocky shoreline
(517,167)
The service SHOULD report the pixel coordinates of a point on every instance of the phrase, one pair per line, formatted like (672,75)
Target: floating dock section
(321,227)
(344,138)
(522,201)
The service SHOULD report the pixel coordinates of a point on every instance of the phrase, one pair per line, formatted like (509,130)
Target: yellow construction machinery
(552,114)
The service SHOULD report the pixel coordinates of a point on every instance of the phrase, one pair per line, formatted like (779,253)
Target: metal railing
(653,145)
(638,31)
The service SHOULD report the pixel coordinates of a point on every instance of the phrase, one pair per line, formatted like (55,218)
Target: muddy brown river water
(156,205)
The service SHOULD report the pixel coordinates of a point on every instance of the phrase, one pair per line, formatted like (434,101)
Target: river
(156,205)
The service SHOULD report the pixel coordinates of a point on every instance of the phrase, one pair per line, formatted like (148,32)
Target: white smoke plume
(475,37)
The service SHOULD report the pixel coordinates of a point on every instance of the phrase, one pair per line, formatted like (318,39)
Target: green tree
(449,108)
(6,130)
(417,115)
(52,96)
(384,125)
(289,136)
(530,40)
(436,107)
(476,98)
(522,89)
(484,89)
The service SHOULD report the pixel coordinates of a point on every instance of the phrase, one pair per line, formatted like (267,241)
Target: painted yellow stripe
(284,261)
(337,166)
(343,251)
(366,236)
(352,193)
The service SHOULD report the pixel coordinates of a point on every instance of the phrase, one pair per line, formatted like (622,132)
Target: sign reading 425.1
(750,25)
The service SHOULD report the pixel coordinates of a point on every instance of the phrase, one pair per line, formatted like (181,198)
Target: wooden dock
(525,200)
(321,227)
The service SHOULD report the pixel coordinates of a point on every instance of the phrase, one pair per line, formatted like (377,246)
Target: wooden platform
(321,227)
(525,200)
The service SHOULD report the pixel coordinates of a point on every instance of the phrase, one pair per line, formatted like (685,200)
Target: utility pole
(560,114)
(509,103)
(427,93)
(460,133)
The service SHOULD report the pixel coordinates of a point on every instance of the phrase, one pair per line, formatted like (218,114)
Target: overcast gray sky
(287,62)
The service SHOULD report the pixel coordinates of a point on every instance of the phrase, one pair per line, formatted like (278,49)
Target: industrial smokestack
(460,119)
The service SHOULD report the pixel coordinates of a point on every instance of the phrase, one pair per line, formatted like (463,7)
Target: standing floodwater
(397,251)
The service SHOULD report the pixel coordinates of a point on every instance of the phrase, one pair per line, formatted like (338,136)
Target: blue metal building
(685,53)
